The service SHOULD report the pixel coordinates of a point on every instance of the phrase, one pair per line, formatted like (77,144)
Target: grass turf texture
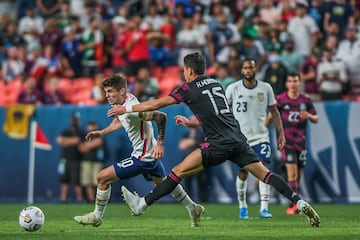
(171,221)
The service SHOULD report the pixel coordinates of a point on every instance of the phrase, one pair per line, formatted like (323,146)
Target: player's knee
(243,174)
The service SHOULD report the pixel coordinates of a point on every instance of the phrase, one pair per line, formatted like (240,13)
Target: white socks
(181,196)
(241,187)
(264,190)
(102,198)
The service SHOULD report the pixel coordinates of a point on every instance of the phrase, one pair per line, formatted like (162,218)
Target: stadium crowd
(59,51)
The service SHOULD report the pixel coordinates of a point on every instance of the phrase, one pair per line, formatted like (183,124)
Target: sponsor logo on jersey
(261,97)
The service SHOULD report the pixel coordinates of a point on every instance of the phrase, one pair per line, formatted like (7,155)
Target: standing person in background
(250,99)
(69,165)
(93,161)
(296,109)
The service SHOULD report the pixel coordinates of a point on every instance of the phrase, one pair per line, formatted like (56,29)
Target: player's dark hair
(115,81)
(294,74)
(247,60)
(196,62)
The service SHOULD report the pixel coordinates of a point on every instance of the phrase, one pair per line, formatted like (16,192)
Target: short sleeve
(182,94)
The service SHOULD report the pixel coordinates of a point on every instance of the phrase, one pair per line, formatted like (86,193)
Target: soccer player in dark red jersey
(295,108)
(223,138)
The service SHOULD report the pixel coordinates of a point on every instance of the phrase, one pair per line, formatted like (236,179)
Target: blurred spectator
(48,8)
(332,29)
(283,32)
(22,6)
(349,52)
(291,58)
(202,30)
(69,164)
(11,37)
(341,12)
(31,27)
(308,73)
(152,20)
(137,49)
(146,87)
(276,74)
(93,161)
(51,35)
(91,47)
(162,7)
(233,65)
(118,44)
(252,48)
(13,67)
(269,13)
(317,11)
(332,43)
(30,94)
(64,16)
(331,76)
(77,7)
(8,7)
(287,10)
(223,37)
(52,94)
(48,64)
(274,43)
(168,29)
(244,12)
(223,77)
(159,54)
(97,91)
(303,29)
(187,40)
(71,50)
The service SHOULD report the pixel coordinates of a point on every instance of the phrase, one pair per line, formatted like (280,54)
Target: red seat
(82,83)
(80,96)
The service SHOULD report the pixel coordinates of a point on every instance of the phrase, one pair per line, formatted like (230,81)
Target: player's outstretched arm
(142,107)
(113,126)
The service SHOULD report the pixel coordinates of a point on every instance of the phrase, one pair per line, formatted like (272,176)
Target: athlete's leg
(241,187)
(191,165)
(195,210)
(264,191)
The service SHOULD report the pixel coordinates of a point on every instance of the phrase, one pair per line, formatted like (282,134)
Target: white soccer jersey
(141,133)
(249,106)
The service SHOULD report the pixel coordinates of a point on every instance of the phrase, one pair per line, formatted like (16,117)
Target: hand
(158,151)
(93,134)
(281,142)
(116,110)
(181,120)
(304,115)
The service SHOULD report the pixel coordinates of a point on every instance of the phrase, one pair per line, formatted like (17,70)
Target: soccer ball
(31,218)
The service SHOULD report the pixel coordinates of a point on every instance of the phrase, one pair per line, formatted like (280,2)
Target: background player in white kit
(143,160)
(250,100)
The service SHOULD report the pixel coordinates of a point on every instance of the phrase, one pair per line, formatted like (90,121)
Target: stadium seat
(80,96)
(82,83)
(157,72)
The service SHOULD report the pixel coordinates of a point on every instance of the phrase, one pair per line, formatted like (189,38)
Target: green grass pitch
(171,221)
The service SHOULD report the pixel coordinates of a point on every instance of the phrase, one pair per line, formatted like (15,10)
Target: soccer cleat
(306,208)
(265,214)
(134,202)
(88,219)
(195,215)
(243,213)
(292,210)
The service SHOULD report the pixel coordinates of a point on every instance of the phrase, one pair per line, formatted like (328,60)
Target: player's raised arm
(142,107)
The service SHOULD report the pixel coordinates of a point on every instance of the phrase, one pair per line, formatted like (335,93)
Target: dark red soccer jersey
(294,127)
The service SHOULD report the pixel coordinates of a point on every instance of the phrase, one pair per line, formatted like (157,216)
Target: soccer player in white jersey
(250,100)
(143,159)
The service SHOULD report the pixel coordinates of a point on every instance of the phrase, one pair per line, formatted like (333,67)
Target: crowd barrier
(332,173)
